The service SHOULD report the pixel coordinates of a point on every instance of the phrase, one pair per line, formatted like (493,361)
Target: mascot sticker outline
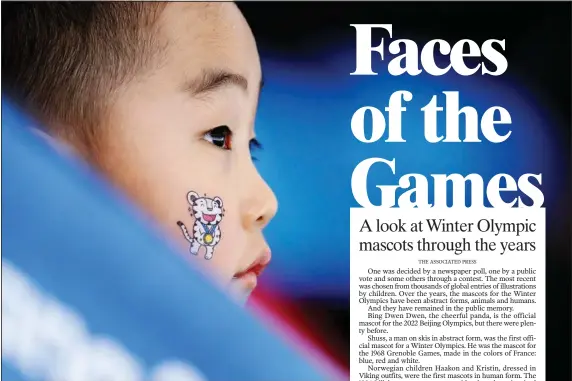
(208,213)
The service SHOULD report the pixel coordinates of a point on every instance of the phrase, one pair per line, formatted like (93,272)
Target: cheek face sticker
(208,213)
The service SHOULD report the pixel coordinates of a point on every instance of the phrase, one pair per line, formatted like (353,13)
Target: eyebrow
(211,80)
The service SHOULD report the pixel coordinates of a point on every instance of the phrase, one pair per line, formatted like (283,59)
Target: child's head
(161,97)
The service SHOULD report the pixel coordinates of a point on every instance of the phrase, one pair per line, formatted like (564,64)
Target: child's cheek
(230,249)
(214,239)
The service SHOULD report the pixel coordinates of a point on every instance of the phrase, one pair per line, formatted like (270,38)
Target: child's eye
(220,136)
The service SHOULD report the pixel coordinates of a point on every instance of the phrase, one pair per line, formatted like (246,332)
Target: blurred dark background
(538,49)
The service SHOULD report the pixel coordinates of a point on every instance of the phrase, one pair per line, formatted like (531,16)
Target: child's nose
(259,204)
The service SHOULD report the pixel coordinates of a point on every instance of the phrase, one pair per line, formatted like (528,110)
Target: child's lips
(255,269)
(249,277)
(246,282)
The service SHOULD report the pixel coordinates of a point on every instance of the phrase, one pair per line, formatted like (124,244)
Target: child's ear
(192,196)
(218,200)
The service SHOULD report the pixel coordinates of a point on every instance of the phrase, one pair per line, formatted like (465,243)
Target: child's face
(165,141)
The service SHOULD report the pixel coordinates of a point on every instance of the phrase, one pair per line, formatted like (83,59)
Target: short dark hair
(62,61)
